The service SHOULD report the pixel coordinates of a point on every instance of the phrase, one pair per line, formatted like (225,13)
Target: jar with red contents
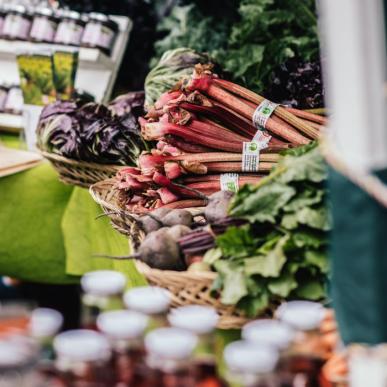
(125,330)
(83,359)
(169,358)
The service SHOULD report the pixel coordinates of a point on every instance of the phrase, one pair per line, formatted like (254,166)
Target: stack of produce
(268,242)
(93,132)
(205,128)
(281,250)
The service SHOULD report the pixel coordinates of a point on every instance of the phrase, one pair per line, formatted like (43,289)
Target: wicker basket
(106,196)
(80,173)
(188,287)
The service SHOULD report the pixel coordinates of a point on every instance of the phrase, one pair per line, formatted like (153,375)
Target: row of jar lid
(11,99)
(62,26)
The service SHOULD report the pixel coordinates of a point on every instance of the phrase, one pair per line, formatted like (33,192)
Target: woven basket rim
(143,268)
(80,163)
(93,190)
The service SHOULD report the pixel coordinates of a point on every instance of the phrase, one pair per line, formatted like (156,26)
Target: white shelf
(97,71)
(11,122)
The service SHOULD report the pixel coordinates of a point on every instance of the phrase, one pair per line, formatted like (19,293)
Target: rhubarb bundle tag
(250,156)
(263,112)
(229,182)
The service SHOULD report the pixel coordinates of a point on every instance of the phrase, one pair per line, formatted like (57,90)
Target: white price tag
(262,137)
(250,156)
(263,112)
(229,182)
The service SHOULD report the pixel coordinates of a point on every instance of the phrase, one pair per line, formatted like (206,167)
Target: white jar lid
(171,343)
(82,345)
(195,318)
(148,299)
(269,332)
(245,357)
(45,322)
(122,324)
(103,282)
(301,315)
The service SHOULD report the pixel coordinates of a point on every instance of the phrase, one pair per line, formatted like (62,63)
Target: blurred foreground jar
(169,358)
(152,301)
(18,360)
(306,354)
(103,291)
(367,365)
(83,359)
(125,330)
(17,23)
(100,32)
(275,334)
(202,321)
(249,365)
(44,324)
(44,26)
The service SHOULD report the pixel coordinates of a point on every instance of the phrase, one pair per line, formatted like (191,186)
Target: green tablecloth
(49,232)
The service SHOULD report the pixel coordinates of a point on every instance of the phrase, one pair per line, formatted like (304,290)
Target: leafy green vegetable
(281,251)
(248,38)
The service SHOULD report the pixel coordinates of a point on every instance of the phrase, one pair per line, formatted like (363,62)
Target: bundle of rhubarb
(211,135)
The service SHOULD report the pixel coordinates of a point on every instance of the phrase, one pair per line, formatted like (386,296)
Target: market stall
(202,216)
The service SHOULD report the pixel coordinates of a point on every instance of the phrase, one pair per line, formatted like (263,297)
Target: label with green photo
(65,68)
(36,78)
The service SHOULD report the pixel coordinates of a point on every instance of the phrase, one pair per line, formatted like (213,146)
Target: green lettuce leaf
(265,203)
(233,281)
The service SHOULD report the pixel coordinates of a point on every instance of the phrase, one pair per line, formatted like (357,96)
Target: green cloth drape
(49,232)
(359,262)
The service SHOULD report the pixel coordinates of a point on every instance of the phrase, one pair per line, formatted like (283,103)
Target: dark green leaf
(310,290)
(319,259)
(283,285)
(236,242)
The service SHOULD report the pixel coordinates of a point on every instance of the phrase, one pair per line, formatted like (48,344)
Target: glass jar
(3,97)
(17,23)
(82,359)
(306,355)
(14,102)
(269,332)
(125,330)
(152,301)
(44,324)
(70,28)
(202,321)
(249,365)
(18,359)
(169,358)
(100,32)
(44,26)
(102,292)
